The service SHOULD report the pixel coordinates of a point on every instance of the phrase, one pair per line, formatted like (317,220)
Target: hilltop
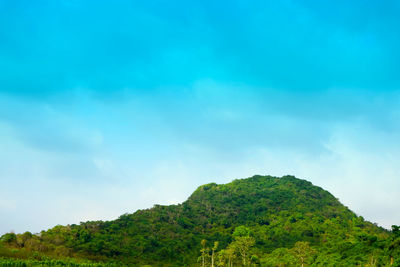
(282,217)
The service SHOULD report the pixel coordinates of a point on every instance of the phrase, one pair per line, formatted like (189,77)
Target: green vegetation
(50,263)
(259,221)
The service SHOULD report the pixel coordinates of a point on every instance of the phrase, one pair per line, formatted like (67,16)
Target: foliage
(50,263)
(261,220)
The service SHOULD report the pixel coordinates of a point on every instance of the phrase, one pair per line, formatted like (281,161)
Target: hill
(262,220)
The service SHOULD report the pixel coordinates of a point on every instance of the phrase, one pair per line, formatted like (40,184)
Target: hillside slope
(279,213)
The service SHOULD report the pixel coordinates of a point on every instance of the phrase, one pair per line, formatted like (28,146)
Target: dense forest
(258,221)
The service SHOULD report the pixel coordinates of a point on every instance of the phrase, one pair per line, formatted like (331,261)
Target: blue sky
(106,108)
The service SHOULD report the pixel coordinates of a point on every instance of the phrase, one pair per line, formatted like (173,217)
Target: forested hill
(262,220)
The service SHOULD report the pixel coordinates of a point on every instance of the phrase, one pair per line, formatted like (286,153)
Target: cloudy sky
(107,107)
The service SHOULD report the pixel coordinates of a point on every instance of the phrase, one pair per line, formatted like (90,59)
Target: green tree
(23,238)
(243,242)
(9,238)
(221,257)
(280,257)
(303,252)
(231,255)
(394,244)
(214,248)
(204,252)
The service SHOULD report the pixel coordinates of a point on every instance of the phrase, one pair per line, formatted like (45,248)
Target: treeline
(366,251)
(243,252)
